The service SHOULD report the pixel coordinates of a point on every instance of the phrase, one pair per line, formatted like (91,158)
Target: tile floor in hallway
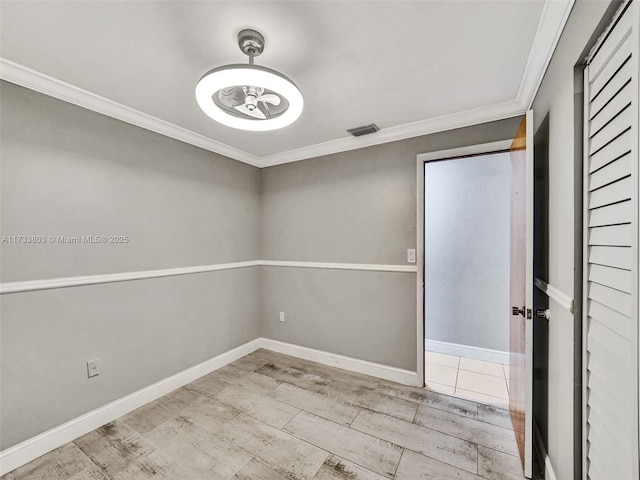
(467,378)
(269,416)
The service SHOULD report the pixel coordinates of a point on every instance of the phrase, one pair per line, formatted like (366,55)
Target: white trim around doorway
(422,158)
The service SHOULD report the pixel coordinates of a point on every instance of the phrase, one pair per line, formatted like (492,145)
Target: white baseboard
(30,449)
(365,367)
(34,447)
(477,353)
(549,474)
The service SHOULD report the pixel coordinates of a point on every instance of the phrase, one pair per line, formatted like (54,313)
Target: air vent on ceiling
(365,130)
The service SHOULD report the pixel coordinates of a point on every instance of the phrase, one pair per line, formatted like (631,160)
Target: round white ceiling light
(248,96)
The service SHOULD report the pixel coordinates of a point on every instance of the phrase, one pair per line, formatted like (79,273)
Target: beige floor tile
(481,398)
(482,433)
(441,359)
(290,456)
(336,468)
(414,466)
(440,374)
(368,451)
(479,366)
(506,370)
(481,383)
(446,448)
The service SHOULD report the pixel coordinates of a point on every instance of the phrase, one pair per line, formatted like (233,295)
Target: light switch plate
(92,368)
(411,255)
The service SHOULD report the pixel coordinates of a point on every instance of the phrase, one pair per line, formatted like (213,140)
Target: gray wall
(351,207)
(559,100)
(68,171)
(467,216)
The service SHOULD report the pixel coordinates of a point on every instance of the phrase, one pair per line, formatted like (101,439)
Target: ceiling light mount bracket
(251,43)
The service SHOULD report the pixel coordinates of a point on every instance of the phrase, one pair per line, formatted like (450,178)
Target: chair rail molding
(555,294)
(65,282)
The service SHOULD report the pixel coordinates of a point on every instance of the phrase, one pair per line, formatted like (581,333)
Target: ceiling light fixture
(249,97)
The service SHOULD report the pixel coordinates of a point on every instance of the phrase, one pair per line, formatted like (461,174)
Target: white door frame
(422,158)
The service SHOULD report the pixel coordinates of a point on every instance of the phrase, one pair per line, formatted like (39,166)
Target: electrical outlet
(282,316)
(411,255)
(92,368)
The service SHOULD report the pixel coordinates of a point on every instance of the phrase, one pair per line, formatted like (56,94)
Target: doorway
(466,276)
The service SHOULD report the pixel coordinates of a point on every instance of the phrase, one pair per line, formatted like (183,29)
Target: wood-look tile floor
(269,416)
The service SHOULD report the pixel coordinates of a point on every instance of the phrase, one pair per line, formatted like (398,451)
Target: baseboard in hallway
(467,351)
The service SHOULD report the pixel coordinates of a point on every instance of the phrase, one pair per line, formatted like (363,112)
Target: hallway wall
(467,249)
(559,104)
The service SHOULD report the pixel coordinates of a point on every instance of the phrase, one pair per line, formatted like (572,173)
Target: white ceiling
(408,66)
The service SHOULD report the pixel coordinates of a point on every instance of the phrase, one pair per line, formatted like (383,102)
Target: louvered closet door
(611,253)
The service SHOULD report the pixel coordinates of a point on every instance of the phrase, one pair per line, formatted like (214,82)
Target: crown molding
(40,82)
(34,80)
(554,17)
(467,118)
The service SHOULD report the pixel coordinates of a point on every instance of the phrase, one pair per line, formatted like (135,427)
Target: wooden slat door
(521,328)
(610,308)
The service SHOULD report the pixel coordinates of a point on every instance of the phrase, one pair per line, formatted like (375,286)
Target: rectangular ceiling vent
(365,130)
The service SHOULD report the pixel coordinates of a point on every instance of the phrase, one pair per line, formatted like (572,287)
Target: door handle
(542,313)
(517,311)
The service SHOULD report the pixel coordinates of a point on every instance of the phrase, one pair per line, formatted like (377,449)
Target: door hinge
(517,311)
